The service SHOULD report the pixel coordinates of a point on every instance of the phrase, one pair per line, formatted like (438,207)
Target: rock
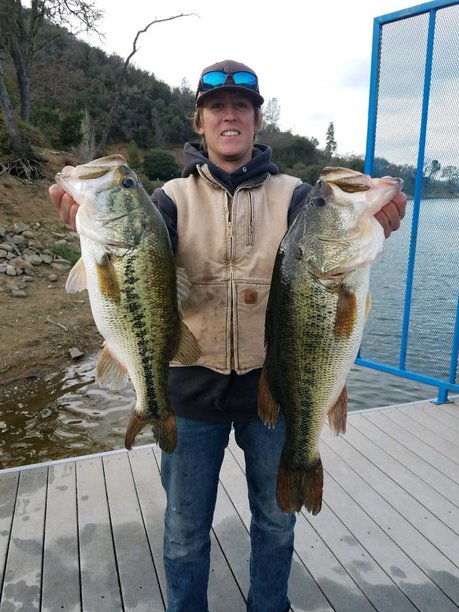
(60,266)
(11,271)
(75,353)
(35,260)
(53,278)
(6,247)
(18,240)
(3,254)
(47,259)
(20,227)
(18,293)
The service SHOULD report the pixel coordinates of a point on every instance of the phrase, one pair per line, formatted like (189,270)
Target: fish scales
(317,308)
(128,268)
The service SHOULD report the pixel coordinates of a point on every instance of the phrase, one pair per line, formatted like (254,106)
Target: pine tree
(330,146)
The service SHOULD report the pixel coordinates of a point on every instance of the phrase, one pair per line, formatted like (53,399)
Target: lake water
(66,414)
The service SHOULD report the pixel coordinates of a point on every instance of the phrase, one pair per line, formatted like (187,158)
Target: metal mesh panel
(432,245)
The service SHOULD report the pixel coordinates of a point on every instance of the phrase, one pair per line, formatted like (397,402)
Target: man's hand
(65,205)
(391,215)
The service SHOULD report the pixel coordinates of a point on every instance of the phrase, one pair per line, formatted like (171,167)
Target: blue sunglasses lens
(217,78)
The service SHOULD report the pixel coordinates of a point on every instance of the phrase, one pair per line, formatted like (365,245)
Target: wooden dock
(85,534)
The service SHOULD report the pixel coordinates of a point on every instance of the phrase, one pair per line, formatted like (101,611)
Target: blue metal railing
(430,10)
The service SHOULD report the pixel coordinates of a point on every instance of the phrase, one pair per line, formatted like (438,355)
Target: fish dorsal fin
(110,373)
(76,280)
(183,285)
(188,351)
(346,313)
(337,415)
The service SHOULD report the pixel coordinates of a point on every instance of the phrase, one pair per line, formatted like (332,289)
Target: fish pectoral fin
(110,373)
(188,351)
(337,415)
(76,280)
(107,279)
(268,408)
(346,313)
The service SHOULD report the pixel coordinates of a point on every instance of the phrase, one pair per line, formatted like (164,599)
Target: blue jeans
(190,479)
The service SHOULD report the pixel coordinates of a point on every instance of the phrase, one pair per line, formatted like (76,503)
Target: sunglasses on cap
(218,78)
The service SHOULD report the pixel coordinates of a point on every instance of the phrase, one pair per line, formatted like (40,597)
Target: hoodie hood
(254,171)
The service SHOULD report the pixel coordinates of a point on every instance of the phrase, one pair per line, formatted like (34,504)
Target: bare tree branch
(119,82)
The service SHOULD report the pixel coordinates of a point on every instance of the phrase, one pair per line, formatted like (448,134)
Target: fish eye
(317,202)
(128,182)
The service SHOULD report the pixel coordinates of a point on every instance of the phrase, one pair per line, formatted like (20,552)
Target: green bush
(159,165)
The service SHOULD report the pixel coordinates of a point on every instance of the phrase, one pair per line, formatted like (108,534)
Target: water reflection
(65,414)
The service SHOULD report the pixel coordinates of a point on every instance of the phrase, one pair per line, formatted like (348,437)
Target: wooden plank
(322,563)
(99,573)
(391,509)
(372,587)
(223,591)
(22,583)
(303,592)
(61,571)
(371,443)
(8,491)
(424,505)
(418,447)
(429,436)
(152,500)
(401,570)
(233,538)
(138,579)
(428,420)
(440,414)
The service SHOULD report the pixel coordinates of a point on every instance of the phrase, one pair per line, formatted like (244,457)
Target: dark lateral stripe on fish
(346,313)
(134,305)
(107,281)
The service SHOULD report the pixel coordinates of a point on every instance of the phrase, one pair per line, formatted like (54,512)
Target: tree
(120,81)
(21,34)
(271,115)
(160,165)
(330,143)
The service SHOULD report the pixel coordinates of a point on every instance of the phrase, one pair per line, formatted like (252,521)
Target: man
(226,217)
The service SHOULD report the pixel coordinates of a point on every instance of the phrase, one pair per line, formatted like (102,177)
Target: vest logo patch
(250,296)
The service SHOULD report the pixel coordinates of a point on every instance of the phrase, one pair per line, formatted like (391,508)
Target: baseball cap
(228,75)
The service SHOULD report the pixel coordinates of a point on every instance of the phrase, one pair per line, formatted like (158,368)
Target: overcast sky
(314,57)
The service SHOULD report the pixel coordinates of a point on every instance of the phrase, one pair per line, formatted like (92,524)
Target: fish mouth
(73,178)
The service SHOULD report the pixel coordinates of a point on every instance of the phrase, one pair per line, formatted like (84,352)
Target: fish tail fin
(337,415)
(165,433)
(268,408)
(299,487)
(136,423)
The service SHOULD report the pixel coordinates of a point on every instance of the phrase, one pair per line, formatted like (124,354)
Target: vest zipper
(229,234)
(250,241)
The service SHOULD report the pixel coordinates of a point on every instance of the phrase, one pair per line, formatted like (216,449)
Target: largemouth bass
(318,304)
(128,267)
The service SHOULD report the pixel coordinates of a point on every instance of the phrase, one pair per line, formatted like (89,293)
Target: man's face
(229,126)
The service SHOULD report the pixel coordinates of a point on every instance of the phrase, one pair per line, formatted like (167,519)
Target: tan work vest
(227,245)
